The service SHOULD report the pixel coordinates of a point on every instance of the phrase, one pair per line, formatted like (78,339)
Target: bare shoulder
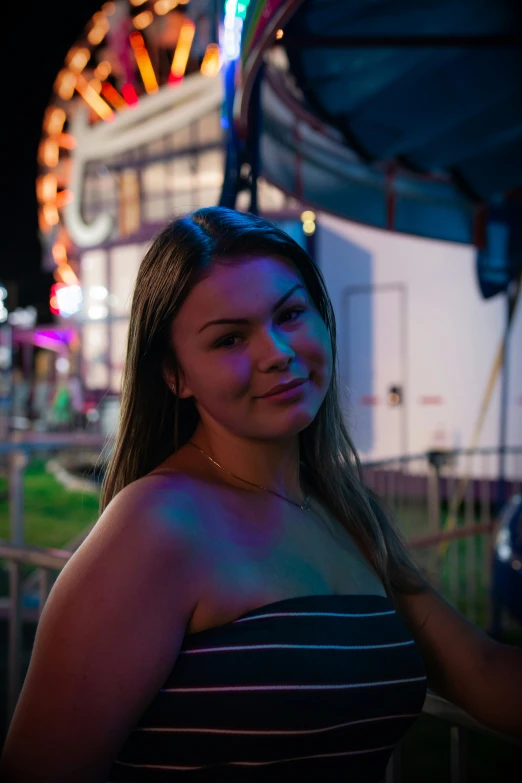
(166,501)
(186,493)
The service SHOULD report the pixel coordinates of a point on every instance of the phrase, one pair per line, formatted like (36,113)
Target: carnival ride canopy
(397,114)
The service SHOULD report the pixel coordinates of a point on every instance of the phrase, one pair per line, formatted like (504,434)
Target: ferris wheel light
(59,253)
(50,214)
(182,51)
(65,274)
(129,94)
(144,63)
(112,95)
(210,64)
(65,140)
(43,225)
(143,20)
(96,85)
(102,70)
(54,120)
(98,82)
(93,100)
(100,28)
(97,34)
(48,153)
(162,7)
(64,84)
(46,187)
(137,41)
(64,197)
(77,59)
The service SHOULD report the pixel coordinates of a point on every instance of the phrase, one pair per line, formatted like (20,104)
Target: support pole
(17,463)
(504,401)
(255,140)
(232,152)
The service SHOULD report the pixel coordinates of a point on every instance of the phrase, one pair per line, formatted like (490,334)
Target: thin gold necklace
(304,506)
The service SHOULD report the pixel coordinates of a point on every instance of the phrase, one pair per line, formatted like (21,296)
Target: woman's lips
(286,394)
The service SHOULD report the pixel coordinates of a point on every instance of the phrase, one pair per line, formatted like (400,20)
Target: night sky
(36,37)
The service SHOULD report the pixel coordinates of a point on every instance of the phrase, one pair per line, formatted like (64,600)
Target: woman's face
(227,367)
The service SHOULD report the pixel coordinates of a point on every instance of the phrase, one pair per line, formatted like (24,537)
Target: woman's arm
(106,642)
(502,689)
(463,664)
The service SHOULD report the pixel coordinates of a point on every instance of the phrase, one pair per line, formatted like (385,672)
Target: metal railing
(446,504)
(17,454)
(401,483)
(47,560)
(461,724)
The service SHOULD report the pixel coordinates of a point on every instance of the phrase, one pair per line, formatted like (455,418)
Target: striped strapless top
(320,686)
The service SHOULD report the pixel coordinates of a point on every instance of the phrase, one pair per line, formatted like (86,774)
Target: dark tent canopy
(400,114)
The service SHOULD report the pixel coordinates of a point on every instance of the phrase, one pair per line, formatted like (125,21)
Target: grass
(53,515)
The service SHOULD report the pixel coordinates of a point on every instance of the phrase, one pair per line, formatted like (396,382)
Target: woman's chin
(288,426)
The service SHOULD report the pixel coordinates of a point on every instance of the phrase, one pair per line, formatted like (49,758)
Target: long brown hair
(154,422)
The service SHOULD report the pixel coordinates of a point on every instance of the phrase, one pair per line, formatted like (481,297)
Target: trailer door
(373,368)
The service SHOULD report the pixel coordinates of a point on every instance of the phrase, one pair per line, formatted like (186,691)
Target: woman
(244,608)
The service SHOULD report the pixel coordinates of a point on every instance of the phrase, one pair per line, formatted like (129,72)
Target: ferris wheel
(130,49)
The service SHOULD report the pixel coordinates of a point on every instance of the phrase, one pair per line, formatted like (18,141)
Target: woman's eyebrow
(245,320)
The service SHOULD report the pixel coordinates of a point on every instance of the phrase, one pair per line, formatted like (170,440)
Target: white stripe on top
(237,688)
(296,647)
(311,614)
(257,763)
(271,732)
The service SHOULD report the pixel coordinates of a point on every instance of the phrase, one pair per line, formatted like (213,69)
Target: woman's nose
(275,350)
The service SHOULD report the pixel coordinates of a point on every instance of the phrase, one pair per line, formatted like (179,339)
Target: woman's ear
(184,390)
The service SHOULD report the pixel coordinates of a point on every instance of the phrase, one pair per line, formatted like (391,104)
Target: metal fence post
(434,508)
(434,498)
(394,768)
(17,464)
(459,754)
(14,638)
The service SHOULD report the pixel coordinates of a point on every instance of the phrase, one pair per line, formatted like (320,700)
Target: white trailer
(413,329)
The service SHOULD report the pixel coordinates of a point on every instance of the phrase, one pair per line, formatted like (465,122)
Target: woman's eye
(222,343)
(297,310)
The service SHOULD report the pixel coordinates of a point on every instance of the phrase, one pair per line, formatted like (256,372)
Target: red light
(129,94)
(137,41)
(113,96)
(53,299)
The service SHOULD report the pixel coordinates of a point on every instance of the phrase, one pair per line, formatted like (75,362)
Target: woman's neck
(273,465)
